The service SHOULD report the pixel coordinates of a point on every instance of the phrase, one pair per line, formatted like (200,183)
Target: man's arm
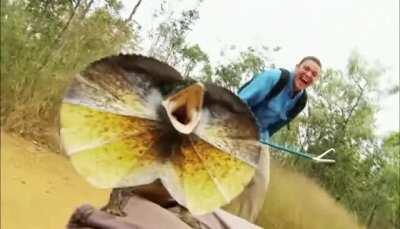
(259,87)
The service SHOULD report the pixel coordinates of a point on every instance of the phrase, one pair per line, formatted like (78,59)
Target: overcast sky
(330,30)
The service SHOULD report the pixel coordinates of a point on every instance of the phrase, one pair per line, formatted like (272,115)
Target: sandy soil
(40,189)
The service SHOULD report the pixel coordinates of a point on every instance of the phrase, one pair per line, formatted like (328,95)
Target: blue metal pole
(282,148)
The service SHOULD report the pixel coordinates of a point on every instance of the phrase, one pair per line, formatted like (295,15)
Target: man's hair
(312,58)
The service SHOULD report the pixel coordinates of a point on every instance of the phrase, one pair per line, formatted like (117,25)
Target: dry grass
(295,201)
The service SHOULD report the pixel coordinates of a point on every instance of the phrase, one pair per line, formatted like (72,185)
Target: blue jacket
(271,114)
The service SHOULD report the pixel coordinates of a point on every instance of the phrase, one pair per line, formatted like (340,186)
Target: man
(276,96)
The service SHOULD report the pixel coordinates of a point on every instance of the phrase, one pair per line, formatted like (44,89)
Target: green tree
(389,184)
(45,43)
(249,63)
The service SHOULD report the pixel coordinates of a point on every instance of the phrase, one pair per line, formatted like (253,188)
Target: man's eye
(306,68)
(314,74)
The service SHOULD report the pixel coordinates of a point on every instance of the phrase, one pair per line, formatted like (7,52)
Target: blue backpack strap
(292,113)
(298,107)
(245,85)
(276,89)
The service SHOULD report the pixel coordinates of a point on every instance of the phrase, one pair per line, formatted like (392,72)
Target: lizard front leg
(118,199)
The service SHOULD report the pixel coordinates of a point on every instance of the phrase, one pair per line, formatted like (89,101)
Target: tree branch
(133,11)
(337,138)
(61,34)
(354,106)
(86,10)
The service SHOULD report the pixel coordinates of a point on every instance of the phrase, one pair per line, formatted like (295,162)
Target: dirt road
(40,189)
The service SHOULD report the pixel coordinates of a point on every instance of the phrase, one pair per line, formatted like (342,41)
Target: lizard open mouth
(184,108)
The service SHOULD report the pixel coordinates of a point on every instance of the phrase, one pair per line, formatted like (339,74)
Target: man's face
(306,74)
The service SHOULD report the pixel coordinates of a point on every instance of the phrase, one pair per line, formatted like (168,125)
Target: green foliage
(233,74)
(169,37)
(390,180)
(169,44)
(44,43)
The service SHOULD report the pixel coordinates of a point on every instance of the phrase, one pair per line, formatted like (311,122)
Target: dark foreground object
(144,214)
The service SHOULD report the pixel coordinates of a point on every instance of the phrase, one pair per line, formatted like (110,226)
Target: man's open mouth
(304,80)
